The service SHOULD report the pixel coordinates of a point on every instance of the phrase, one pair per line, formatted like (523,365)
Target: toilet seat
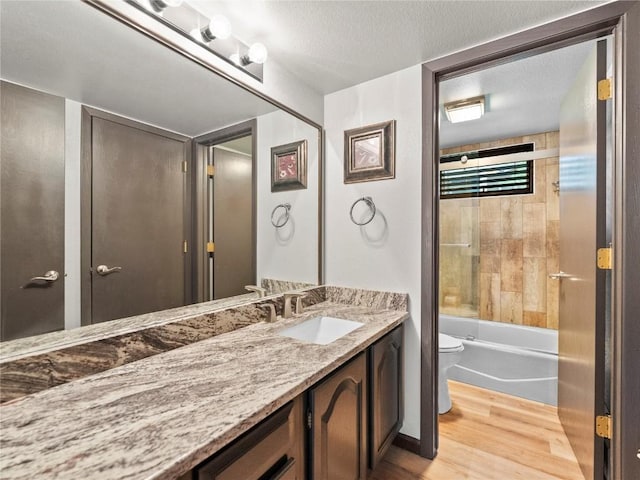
(447,344)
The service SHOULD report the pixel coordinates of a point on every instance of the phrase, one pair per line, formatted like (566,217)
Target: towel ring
(287,207)
(372,207)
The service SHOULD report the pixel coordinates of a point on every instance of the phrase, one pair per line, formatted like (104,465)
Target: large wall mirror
(136,180)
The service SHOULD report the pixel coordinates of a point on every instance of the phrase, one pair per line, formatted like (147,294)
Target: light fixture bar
(465,110)
(211,33)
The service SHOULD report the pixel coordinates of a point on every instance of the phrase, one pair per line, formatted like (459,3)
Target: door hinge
(604,258)
(185,247)
(603,426)
(211,247)
(211,170)
(184,166)
(605,91)
(309,419)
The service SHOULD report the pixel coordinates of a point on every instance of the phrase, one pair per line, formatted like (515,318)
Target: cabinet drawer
(265,453)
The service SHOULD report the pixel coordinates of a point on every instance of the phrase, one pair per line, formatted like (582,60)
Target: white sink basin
(321,330)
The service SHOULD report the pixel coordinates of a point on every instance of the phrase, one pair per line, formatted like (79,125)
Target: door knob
(104,270)
(559,275)
(50,276)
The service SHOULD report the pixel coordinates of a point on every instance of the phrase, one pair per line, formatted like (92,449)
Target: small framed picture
(289,167)
(370,153)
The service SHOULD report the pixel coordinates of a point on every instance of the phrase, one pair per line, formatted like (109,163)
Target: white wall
(384,255)
(290,252)
(72,155)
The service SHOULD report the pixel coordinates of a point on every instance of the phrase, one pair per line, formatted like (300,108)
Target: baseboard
(407,443)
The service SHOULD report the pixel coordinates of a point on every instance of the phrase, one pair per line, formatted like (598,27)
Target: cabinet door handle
(283,469)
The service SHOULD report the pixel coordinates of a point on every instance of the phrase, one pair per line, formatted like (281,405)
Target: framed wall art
(289,166)
(370,153)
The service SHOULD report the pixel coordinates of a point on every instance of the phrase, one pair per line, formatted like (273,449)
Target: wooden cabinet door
(339,424)
(385,394)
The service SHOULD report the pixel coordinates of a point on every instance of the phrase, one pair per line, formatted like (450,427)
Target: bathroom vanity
(247,399)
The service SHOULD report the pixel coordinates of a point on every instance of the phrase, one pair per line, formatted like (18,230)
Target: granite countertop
(161,416)
(24,347)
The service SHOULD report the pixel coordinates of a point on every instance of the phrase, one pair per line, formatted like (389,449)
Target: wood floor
(489,435)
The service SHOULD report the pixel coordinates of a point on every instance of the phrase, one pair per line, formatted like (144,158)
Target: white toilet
(450,351)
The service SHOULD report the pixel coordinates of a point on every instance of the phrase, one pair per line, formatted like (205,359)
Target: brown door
(233,218)
(138,218)
(582,289)
(339,424)
(32,212)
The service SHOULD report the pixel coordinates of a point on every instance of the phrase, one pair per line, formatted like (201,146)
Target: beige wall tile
(489,296)
(534,228)
(490,236)
(490,263)
(511,307)
(468,226)
(447,151)
(553,303)
(534,319)
(552,198)
(553,265)
(505,142)
(553,239)
(511,216)
(511,266)
(449,221)
(490,209)
(514,246)
(534,284)
(552,139)
(540,139)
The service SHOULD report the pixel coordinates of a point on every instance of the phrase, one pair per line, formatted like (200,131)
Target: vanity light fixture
(211,33)
(465,110)
(159,5)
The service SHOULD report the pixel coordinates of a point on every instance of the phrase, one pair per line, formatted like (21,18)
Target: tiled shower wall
(503,275)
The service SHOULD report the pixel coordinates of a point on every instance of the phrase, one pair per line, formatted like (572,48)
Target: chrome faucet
(288,297)
(271,311)
(262,292)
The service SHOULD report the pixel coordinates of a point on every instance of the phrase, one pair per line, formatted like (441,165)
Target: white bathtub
(513,359)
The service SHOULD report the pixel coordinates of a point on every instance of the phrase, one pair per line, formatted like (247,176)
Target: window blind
(512,178)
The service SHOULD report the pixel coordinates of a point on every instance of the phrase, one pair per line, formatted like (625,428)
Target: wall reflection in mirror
(135,180)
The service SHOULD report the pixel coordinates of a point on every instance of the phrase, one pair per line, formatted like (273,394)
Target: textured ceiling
(84,55)
(331,45)
(522,97)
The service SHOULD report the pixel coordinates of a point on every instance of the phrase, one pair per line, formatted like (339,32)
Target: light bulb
(257,53)
(219,27)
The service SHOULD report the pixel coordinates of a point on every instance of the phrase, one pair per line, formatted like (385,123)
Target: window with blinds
(509,178)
